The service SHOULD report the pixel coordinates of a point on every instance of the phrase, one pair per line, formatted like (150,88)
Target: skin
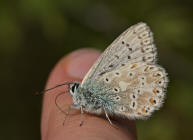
(73,67)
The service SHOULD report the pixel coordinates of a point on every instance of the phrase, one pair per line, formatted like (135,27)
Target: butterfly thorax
(83,97)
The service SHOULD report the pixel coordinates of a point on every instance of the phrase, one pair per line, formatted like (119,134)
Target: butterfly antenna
(46,90)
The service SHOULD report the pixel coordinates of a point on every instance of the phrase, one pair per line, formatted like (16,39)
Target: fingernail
(80,61)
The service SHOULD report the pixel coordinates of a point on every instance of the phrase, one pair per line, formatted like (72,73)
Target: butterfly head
(73,88)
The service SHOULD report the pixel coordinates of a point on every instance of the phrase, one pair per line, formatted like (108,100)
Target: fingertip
(72,67)
(79,62)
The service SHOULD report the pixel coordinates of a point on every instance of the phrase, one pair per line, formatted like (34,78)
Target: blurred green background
(35,34)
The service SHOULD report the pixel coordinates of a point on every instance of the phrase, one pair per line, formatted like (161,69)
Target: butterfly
(125,81)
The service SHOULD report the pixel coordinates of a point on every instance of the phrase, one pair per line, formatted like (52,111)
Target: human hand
(73,67)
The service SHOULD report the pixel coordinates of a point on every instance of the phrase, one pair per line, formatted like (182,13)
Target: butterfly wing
(134,90)
(133,45)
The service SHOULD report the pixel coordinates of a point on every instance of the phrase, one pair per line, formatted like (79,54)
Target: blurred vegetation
(35,34)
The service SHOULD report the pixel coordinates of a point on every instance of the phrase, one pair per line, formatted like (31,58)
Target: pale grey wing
(133,45)
(134,90)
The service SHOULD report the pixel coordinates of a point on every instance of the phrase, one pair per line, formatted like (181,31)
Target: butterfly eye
(73,88)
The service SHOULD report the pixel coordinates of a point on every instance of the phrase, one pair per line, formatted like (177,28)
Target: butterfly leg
(82,115)
(107,116)
(68,111)
(66,114)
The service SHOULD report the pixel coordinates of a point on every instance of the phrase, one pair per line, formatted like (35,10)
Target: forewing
(136,89)
(133,45)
